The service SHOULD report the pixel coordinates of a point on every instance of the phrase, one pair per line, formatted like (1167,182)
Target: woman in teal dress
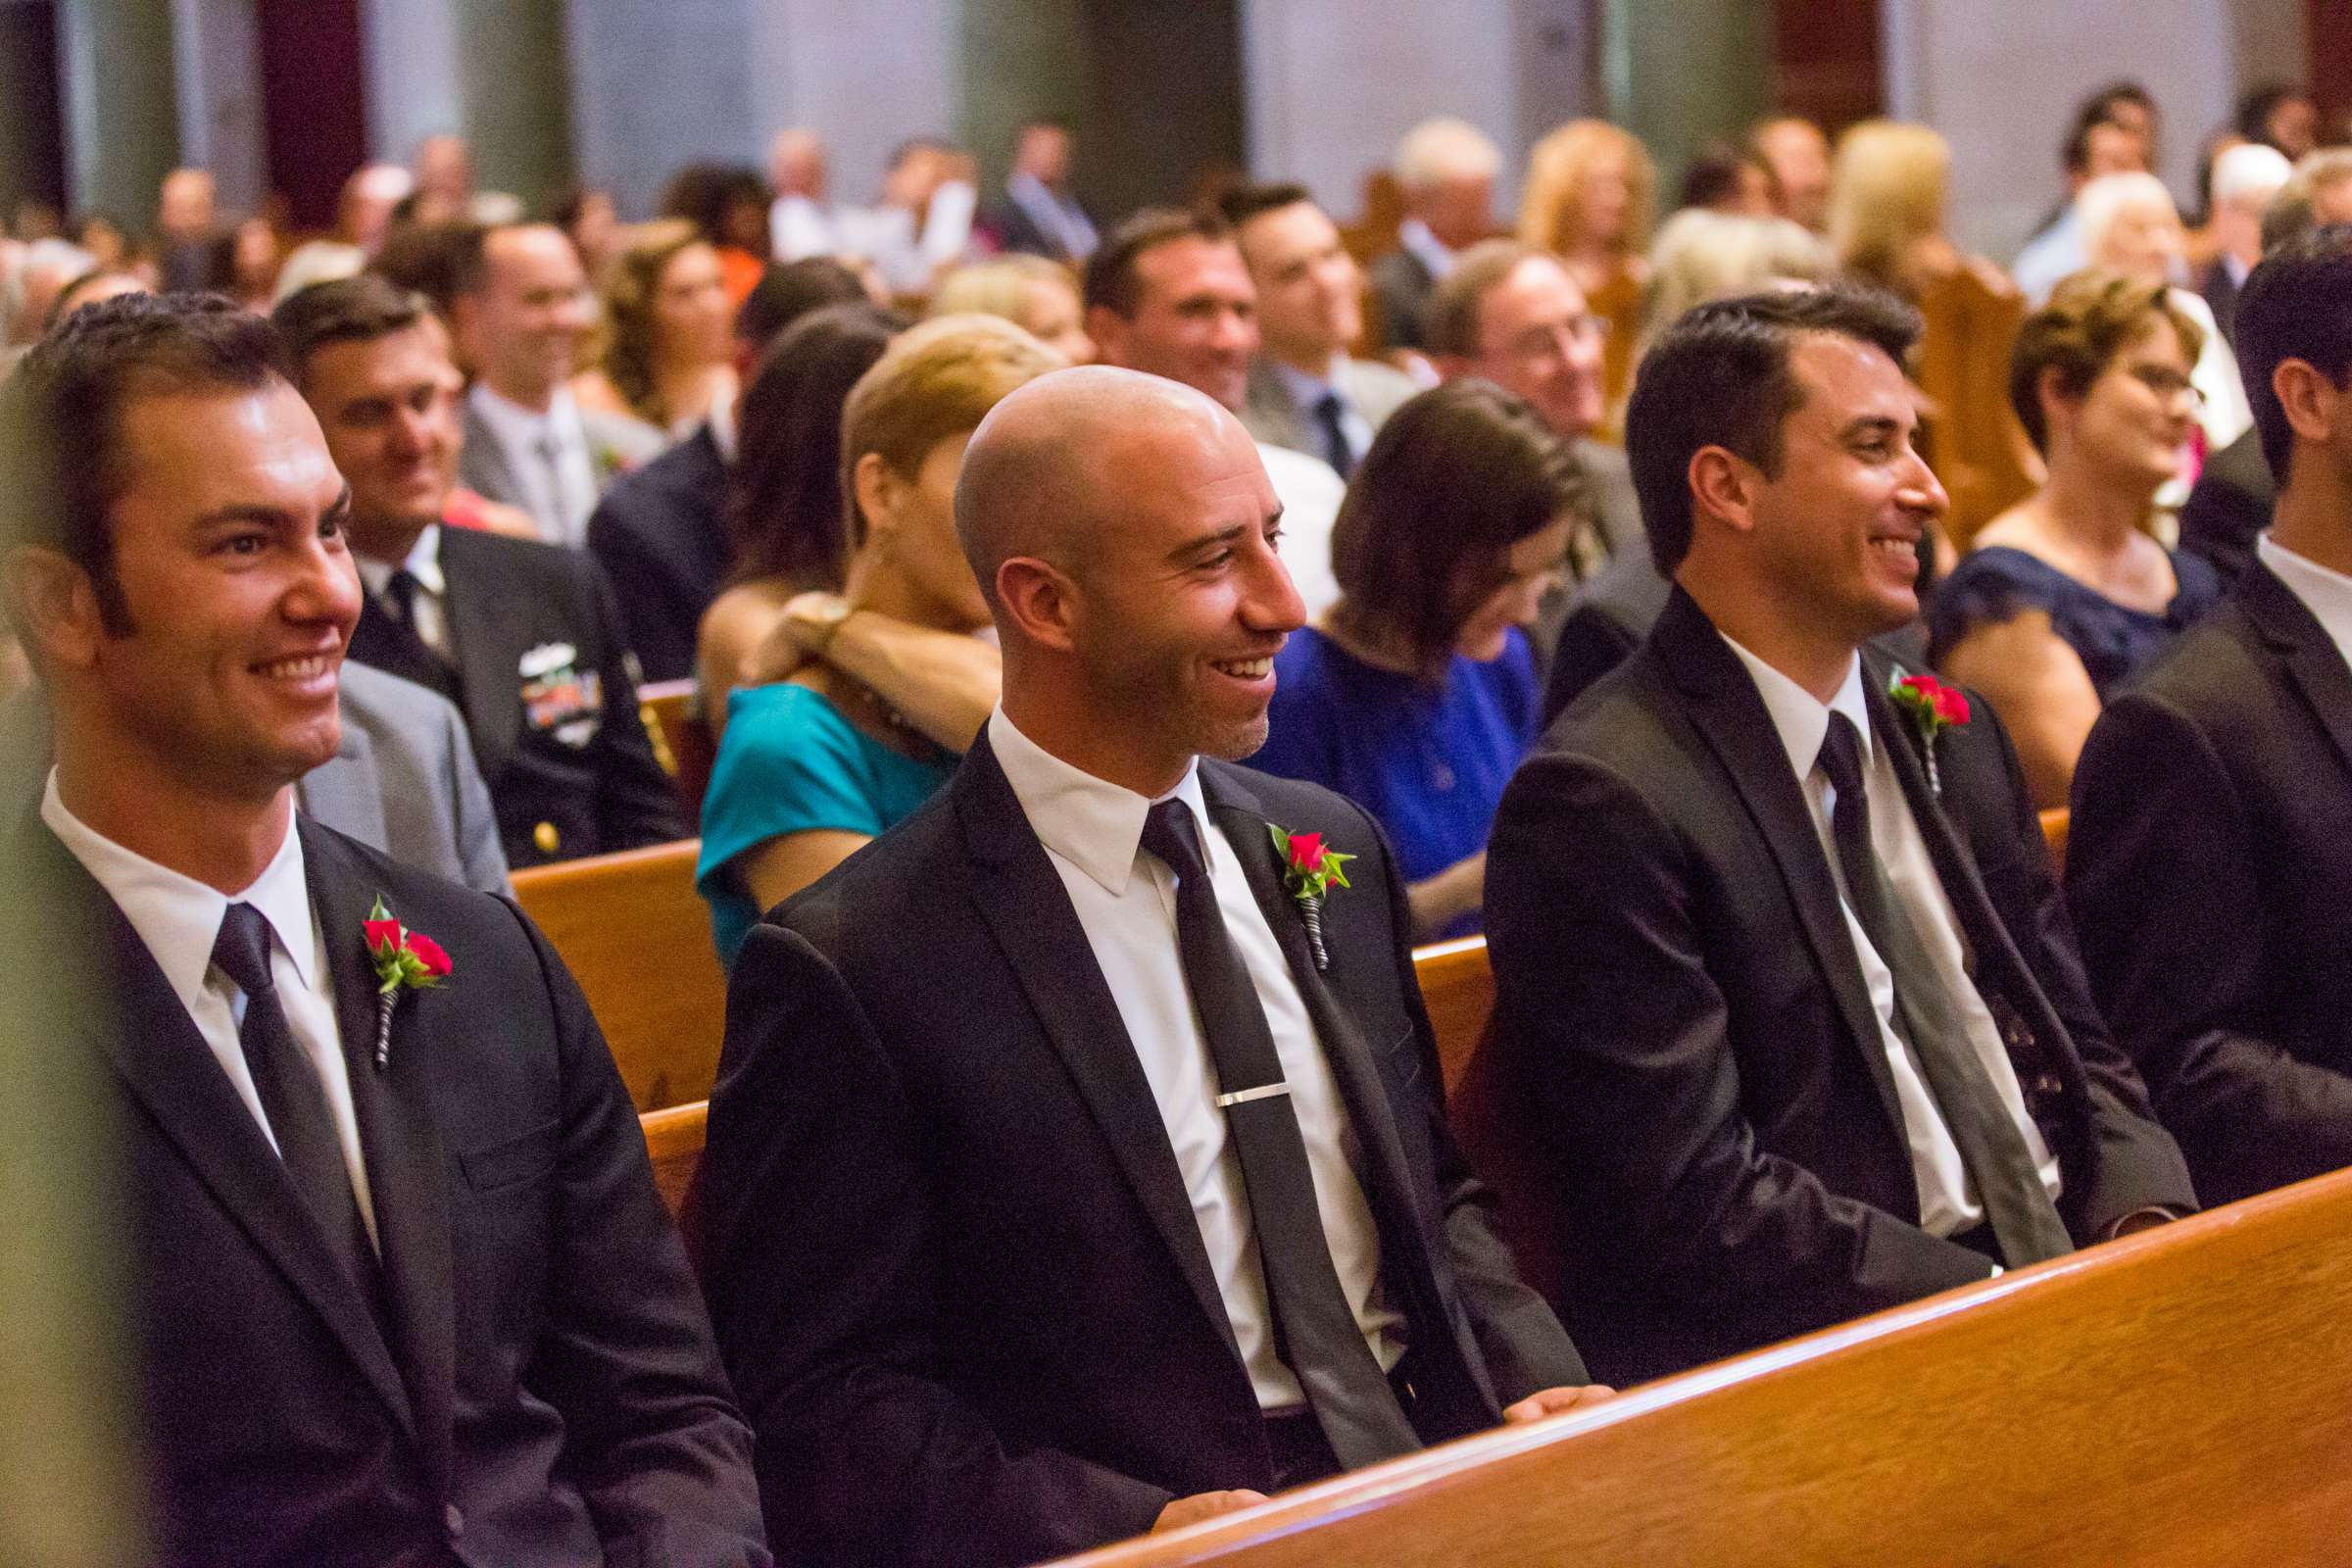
(812,766)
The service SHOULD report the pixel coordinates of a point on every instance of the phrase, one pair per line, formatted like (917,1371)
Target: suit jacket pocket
(523,1158)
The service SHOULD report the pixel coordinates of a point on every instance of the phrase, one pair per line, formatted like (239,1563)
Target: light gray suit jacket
(1270,415)
(403,779)
(615,445)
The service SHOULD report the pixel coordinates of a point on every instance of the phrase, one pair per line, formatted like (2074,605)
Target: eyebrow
(1872,426)
(1223,536)
(270,516)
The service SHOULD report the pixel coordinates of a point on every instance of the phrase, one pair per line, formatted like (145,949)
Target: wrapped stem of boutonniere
(405,961)
(1310,872)
(1933,708)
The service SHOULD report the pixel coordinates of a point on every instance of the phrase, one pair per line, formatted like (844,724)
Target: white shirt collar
(517,427)
(723,432)
(180,917)
(1432,252)
(1096,826)
(1802,719)
(2327,594)
(1306,390)
(423,563)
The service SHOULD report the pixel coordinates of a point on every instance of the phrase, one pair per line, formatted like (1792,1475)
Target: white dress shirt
(1311,493)
(799,228)
(1126,901)
(548,453)
(180,918)
(2327,594)
(429,605)
(1949,1203)
(1430,251)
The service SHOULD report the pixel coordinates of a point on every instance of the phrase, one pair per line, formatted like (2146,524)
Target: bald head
(1046,469)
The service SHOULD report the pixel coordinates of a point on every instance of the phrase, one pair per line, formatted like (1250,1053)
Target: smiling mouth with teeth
(307,668)
(1244,668)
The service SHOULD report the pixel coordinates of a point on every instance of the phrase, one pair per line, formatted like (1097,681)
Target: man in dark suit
(662,530)
(1785,995)
(2208,865)
(1142,1203)
(397,1284)
(523,637)
(1040,214)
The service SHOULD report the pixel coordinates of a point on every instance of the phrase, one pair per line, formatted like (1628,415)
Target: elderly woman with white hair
(2131,226)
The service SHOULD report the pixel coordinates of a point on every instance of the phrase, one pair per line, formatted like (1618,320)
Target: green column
(513,72)
(1681,76)
(122,104)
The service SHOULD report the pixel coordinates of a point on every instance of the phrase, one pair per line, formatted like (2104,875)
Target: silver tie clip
(1241,1097)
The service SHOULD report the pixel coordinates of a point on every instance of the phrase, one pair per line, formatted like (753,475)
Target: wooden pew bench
(2183,1398)
(636,936)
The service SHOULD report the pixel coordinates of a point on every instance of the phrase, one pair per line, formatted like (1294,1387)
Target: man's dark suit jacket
(1015,231)
(559,742)
(662,531)
(950,1255)
(1401,286)
(546,1392)
(2220,292)
(1603,622)
(2209,864)
(2228,506)
(1683,1023)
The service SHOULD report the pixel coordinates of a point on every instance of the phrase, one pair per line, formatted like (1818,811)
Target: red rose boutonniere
(1933,708)
(1309,871)
(405,961)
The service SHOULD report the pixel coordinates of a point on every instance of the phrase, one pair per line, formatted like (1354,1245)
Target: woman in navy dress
(1416,693)
(2067,596)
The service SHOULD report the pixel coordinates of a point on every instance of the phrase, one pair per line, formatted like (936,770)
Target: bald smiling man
(1066,1179)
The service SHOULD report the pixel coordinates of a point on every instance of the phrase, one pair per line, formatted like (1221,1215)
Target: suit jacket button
(452,1520)
(545,837)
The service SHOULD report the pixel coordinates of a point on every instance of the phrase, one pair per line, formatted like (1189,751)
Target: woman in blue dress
(812,766)
(2067,596)
(1416,694)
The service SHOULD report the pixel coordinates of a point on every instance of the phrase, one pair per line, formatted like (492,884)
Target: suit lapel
(384,644)
(169,1069)
(1028,910)
(484,464)
(1389,1183)
(406,1166)
(1731,715)
(490,632)
(2312,662)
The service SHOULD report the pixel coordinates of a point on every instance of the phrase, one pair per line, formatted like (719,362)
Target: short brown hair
(935,383)
(2091,318)
(1452,322)
(1111,279)
(1456,476)
(358,309)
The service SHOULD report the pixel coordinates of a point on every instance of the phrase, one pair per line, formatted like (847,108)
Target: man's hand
(1204,1506)
(1556,1402)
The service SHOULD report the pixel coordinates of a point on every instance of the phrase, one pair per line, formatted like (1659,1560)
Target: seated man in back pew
(1786,1004)
(395,1282)
(2209,865)
(1067,1178)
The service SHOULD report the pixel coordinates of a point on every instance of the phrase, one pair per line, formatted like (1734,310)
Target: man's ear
(2312,403)
(876,489)
(52,604)
(1722,486)
(1040,603)
(1109,328)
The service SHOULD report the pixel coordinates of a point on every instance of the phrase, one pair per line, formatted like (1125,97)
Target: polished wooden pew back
(2183,1397)
(636,936)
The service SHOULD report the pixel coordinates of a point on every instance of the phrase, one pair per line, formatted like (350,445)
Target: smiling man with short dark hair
(1784,990)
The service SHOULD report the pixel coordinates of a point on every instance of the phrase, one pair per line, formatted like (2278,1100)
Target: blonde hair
(1704,255)
(999,288)
(627,354)
(1886,189)
(1559,166)
(933,382)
